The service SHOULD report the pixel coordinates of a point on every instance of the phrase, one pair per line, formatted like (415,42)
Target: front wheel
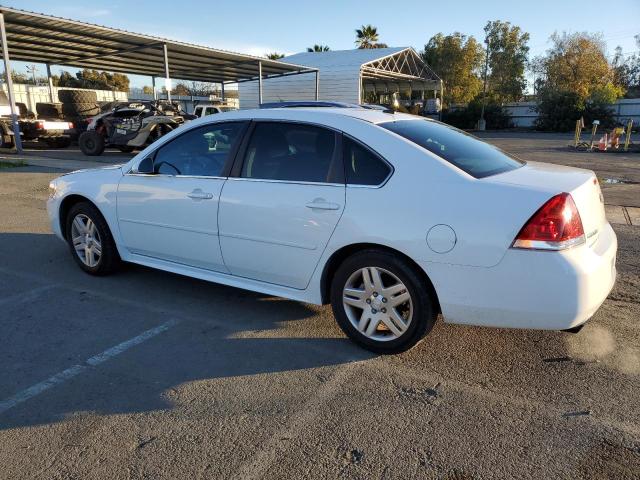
(91,143)
(381,302)
(90,240)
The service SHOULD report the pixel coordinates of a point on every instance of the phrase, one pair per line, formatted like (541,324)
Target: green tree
(507,52)
(626,71)
(147,90)
(576,81)
(274,55)
(367,37)
(318,48)
(457,60)
(94,79)
(578,63)
(181,89)
(18,77)
(202,89)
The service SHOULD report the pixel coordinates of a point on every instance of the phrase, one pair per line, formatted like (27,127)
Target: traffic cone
(602,144)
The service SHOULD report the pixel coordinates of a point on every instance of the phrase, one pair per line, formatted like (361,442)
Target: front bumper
(530,289)
(53,209)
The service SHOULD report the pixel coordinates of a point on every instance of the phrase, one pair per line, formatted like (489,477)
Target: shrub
(558,111)
(467,118)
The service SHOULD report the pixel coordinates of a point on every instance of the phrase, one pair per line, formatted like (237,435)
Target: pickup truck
(53,133)
(204,109)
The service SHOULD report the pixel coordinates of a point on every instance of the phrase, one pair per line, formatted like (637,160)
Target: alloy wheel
(377,303)
(86,240)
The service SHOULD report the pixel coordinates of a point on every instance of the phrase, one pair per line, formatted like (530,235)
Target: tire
(77,96)
(6,141)
(411,319)
(125,148)
(23,111)
(91,143)
(80,109)
(86,215)
(49,110)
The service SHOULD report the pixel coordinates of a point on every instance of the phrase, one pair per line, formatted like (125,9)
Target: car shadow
(228,338)
(221,332)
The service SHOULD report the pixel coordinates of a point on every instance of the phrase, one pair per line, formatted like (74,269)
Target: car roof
(318,113)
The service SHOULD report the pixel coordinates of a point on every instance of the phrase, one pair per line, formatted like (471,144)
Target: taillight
(70,124)
(40,125)
(556,225)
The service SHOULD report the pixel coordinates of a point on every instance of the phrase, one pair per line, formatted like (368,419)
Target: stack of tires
(49,111)
(78,106)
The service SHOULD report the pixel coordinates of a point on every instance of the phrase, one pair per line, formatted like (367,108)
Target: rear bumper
(530,289)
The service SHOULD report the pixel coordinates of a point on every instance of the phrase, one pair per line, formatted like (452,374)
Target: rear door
(283,202)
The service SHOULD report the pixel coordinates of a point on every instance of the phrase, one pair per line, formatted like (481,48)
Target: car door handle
(198,194)
(321,204)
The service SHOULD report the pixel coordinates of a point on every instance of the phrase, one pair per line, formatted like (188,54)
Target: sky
(259,26)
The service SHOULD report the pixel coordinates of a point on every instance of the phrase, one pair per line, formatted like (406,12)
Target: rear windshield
(465,151)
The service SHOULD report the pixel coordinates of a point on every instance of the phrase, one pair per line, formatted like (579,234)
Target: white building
(350,76)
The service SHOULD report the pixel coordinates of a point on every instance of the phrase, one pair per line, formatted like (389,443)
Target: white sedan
(391,218)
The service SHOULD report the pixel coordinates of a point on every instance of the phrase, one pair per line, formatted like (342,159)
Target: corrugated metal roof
(355,57)
(35,37)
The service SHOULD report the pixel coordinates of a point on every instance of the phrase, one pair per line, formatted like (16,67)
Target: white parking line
(76,370)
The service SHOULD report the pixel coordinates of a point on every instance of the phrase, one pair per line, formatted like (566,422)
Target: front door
(171,214)
(277,216)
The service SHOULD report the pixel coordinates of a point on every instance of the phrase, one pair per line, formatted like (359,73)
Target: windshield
(465,151)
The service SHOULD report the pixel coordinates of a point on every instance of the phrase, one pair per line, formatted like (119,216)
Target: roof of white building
(355,57)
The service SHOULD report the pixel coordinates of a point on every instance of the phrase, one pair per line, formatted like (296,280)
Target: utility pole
(482,124)
(32,69)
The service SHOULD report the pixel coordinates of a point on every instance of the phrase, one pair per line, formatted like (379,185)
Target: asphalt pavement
(146,374)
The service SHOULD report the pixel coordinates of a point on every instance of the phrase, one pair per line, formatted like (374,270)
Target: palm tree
(367,36)
(274,55)
(318,48)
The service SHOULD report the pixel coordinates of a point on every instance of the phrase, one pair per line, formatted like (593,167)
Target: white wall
(524,115)
(337,84)
(32,94)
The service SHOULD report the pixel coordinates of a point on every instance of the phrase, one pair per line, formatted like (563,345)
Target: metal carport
(35,37)
(348,75)
(402,68)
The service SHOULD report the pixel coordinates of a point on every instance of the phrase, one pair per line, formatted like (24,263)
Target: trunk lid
(554,179)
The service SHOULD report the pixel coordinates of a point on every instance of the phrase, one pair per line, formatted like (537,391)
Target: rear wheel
(91,143)
(381,302)
(90,240)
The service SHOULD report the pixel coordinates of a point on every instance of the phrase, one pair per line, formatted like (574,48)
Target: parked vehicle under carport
(53,132)
(131,125)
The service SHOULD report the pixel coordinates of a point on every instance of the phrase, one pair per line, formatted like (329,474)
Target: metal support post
(12,98)
(259,83)
(166,71)
(153,87)
(50,82)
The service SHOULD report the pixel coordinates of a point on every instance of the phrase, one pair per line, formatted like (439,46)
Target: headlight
(52,189)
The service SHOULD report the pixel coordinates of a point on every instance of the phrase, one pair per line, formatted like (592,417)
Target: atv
(130,125)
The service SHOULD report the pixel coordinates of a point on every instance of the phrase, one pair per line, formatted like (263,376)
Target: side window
(362,166)
(291,152)
(202,151)
(198,111)
(210,111)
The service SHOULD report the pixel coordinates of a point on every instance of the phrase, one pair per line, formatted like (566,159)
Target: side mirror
(145,166)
